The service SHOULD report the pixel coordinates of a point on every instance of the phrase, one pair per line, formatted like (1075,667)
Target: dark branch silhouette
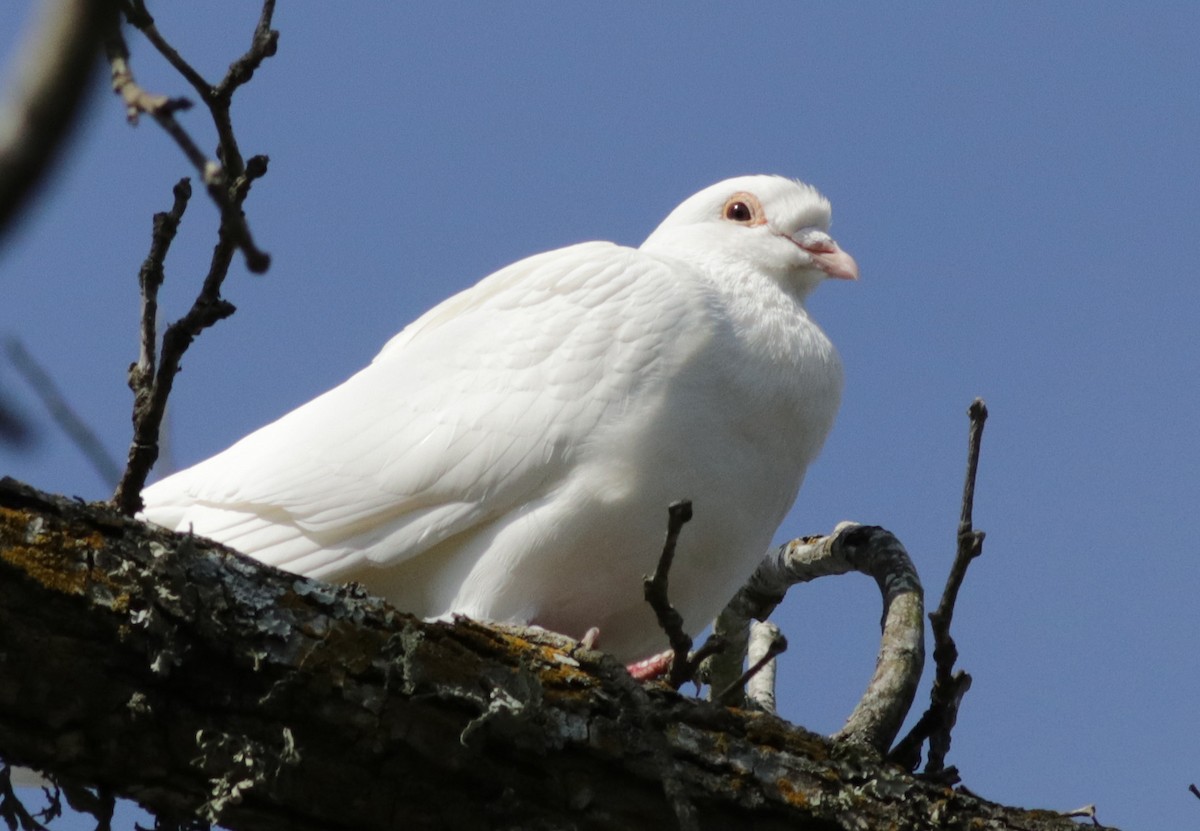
(228,183)
(949,686)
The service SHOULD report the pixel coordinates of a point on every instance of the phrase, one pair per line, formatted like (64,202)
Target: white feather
(510,454)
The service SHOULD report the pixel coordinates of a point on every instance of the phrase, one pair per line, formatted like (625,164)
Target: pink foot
(647,669)
(656,666)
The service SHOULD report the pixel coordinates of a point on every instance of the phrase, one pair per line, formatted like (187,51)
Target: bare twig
(655,589)
(44,91)
(1195,791)
(759,679)
(217,98)
(149,393)
(150,279)
(262,46)
(228,183)
(64,416)
(217,178)
(152,386)
(949,686)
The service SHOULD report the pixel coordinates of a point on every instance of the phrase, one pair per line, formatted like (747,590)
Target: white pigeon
(510,455)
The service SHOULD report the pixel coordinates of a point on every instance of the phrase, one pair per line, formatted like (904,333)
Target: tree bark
(199,682)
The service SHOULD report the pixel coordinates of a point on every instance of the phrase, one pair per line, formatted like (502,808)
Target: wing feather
(476,407)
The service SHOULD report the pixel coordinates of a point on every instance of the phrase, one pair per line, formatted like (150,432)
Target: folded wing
(477,407)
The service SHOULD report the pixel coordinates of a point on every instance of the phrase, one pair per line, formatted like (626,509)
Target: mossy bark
(201,683)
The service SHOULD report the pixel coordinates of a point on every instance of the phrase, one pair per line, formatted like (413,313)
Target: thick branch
(220,687)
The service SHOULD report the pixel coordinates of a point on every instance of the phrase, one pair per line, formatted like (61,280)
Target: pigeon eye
(743,209)
(738,212)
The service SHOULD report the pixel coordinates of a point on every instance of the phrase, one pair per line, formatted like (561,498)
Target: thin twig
(149,397)
(262,46)
(140,18)
(54,800)
(228,184)
(1196,791)
(655,589)
(216,97)
(775,646)
(61,412)
(217,178)
(970,541)
(949,687)
(150,279)
(152,387)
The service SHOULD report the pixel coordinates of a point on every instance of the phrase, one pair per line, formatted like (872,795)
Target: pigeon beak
(826,255)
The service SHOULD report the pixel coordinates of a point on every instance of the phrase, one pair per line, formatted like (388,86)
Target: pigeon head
(769,224)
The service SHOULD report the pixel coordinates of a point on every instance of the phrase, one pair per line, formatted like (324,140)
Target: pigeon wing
(475,408)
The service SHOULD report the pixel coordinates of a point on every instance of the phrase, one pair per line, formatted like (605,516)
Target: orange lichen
(791,794)
(45,553)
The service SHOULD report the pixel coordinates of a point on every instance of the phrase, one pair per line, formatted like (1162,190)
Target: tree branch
(45,91)
(228,183)
(217,178)
(75,428)
(949,686)
(851,547)
(151,383)
(655,589)
(758,681)
(219,687)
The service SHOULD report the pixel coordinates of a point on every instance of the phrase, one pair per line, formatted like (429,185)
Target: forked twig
(949,686)
(228,183)
(218,177)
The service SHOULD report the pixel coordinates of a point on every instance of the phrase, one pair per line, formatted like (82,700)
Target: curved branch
(851,547)
(46,88)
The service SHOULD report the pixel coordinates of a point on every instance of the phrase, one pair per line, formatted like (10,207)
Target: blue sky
(1019,184)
